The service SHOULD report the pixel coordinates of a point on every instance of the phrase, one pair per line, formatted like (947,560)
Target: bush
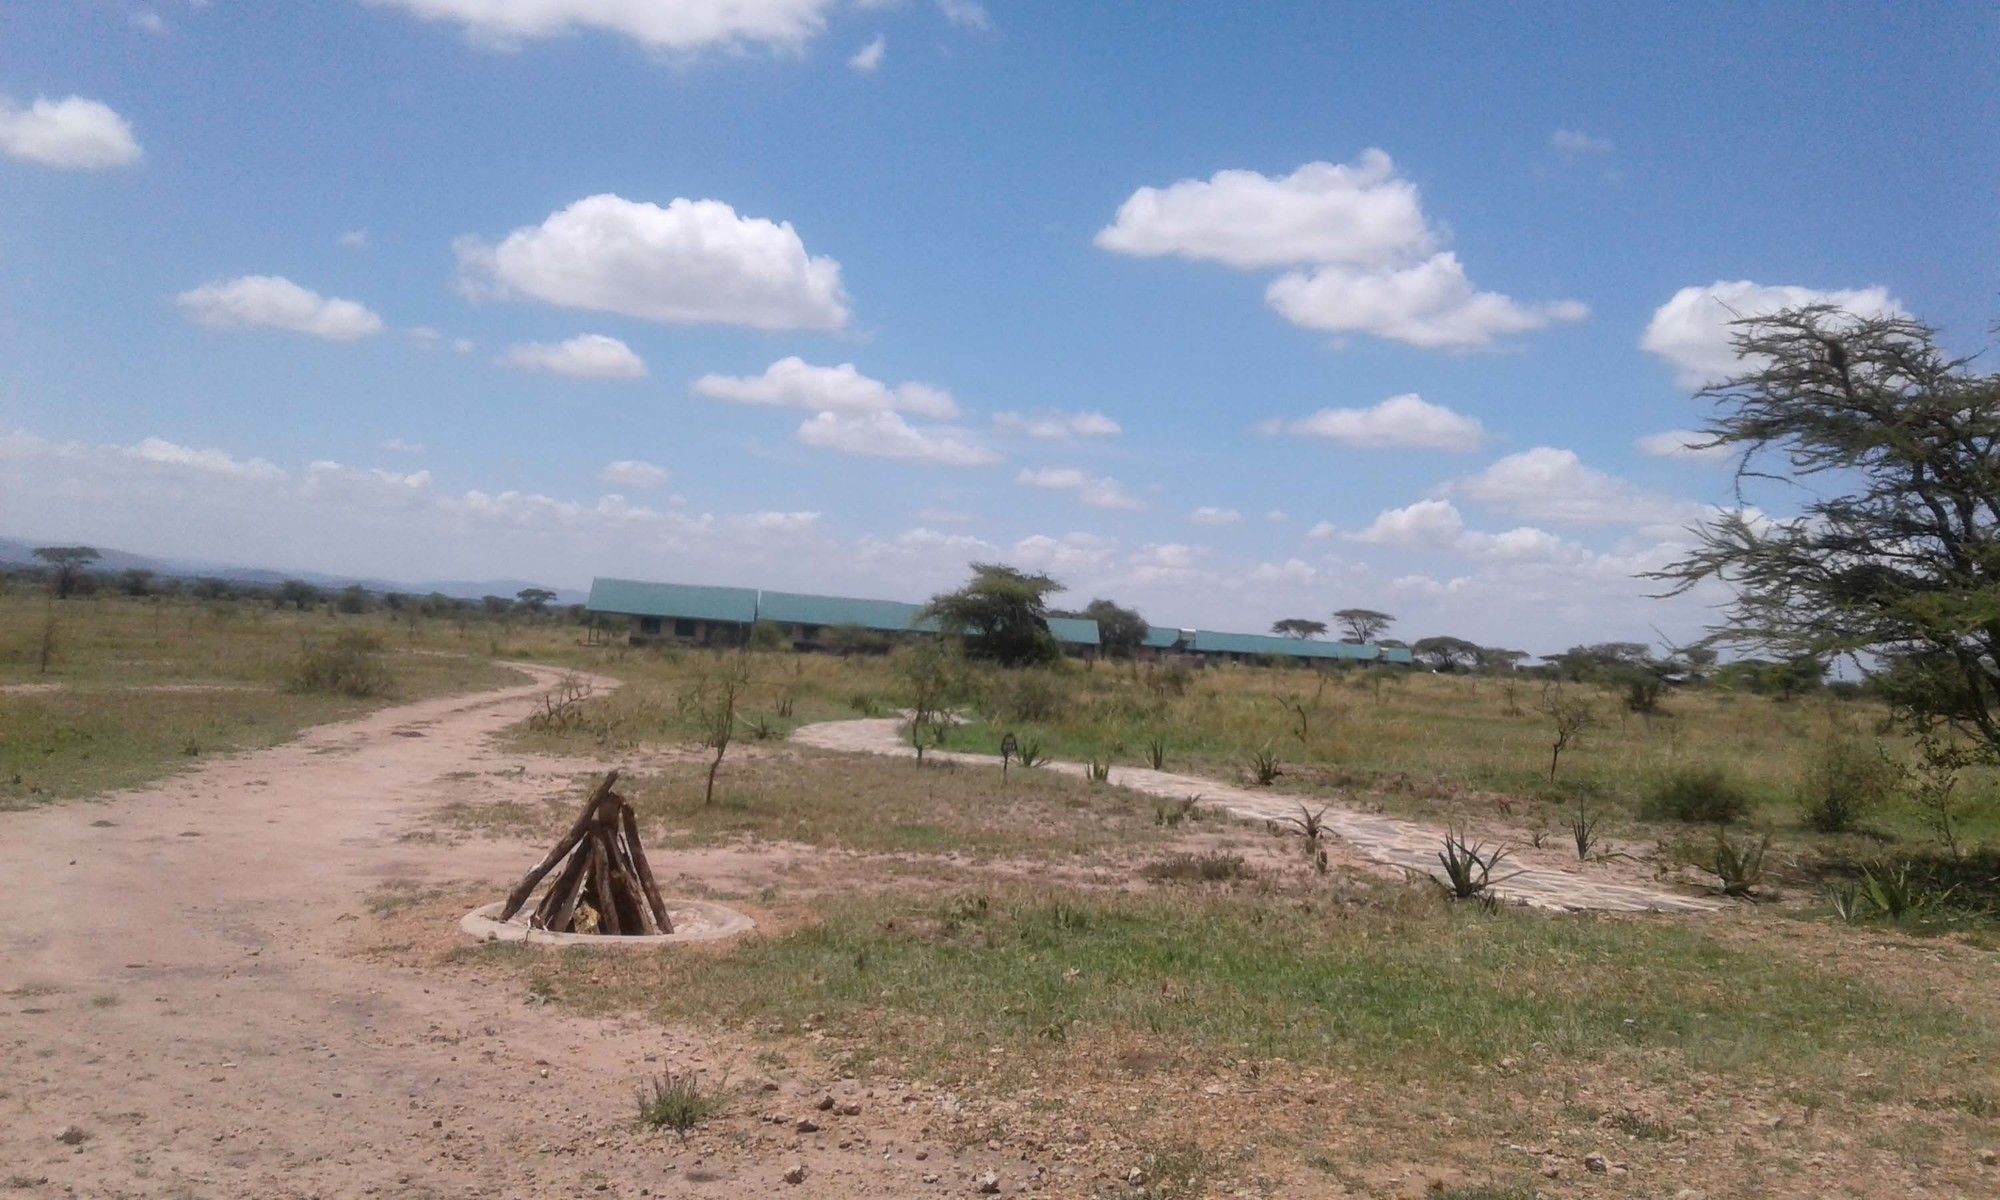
(1696,794)
(349,664)
(1027,696)
(1843,782)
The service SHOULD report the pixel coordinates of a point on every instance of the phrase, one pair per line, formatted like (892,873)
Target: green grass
(843,802)
(1401,988)
(140,689)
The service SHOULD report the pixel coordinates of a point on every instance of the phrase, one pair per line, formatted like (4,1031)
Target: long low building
(696,614)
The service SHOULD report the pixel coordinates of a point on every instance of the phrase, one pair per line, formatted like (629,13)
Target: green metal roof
(1211,642)
(1161,637)
(629,597)
(1074,631)
(798,608)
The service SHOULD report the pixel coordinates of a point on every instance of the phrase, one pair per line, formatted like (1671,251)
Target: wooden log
(600,883)
(558,907)
(526,888)
(632,913)
(644,869)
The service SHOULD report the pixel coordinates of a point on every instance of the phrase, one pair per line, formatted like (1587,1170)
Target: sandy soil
(181,1013)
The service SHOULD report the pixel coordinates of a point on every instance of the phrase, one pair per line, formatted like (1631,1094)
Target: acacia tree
(1362,624)
(1445,653)
(1898,552)
(1120,631)
(67,564)
(1298,627)
(1002,614)
(534,599)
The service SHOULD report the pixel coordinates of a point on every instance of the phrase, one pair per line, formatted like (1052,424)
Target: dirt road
(176,1002)
(1407,845)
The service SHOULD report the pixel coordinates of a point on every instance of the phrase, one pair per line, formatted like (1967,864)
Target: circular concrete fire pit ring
(694,921)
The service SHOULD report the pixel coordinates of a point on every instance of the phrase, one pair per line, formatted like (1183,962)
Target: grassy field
(136,689)
(1066,956)
(1438,747)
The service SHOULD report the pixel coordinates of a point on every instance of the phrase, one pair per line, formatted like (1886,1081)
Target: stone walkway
(1394,842)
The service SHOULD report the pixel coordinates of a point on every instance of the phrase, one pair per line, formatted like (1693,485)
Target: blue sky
(301,285)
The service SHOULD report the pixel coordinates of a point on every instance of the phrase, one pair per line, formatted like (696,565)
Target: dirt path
(1407,844)
(174,984)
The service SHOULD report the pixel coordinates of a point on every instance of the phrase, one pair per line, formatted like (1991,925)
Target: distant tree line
(70,572)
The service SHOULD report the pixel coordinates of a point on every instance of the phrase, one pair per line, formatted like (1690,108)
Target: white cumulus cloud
(794,383)
(693,262)
(1550,484)
(1429,304)
(867,59)
(71,134)
(1058,426)
(663,25)
(1405,422)
(1360,213)
(161,452)
(631,473)
(1425,523)
(585,356)
(1365,258)
(1091,490)
(1682,443)
(888,435)
(274,302)
(1692,330)
(1214,517)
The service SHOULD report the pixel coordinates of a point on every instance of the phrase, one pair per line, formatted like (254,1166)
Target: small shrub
(1893,894)
(1172,812)
(1156,753)
(676,1102)
(1696,795)
(1844,781)
(1098,770)
(1469,867)
(1264,766)
(1031,754)
(1583,830)
(348,664)
(1196,868)
(868,704)
(1027,697)
(760,729)
(1739,869)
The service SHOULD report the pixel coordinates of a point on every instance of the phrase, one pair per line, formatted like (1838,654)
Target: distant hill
(17,551)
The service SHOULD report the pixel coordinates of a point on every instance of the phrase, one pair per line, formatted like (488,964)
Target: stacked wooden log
(605,885)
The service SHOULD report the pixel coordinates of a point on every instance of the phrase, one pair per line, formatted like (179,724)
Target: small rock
(930,1177)
(850,1109)
(1596,1164)
(1135,1177)
(825,1104)
(807,1125)
(72,1135)
(987,1184)
(1990,1158)
(797,1174)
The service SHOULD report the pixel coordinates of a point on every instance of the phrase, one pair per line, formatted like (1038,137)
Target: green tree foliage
(534,599)
(296,593)
(1301,628)
(1445,653)
(1897,550)
(66,566)
(1120,631)
(1001,615)
(1362,624)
